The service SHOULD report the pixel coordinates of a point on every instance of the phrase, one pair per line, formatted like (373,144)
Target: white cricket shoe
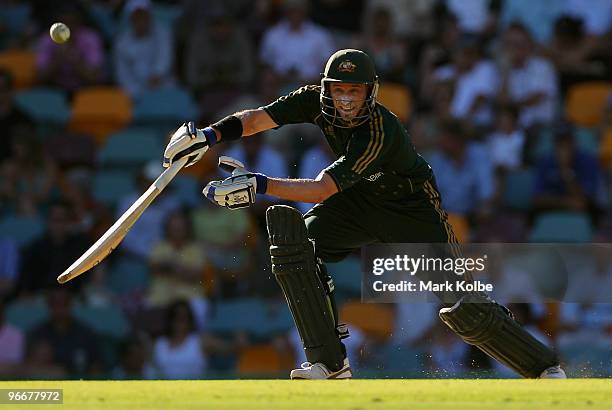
(318,371)
(553,372)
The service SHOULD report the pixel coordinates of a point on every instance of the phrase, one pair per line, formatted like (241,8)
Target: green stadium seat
(107,321)
(44,105)
(164,106)
(110,186)
(131,147)
(518,189)
(346,275)
(128,275)
(562,227)
(188,189)
(26,314)
(256,317)
(21,229)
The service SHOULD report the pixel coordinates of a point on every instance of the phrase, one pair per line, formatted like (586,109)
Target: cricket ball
(59,32)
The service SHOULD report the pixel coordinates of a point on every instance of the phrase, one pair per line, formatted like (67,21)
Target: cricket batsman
(379,189)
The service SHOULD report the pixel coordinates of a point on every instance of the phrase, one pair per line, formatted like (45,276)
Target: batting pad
(294,266)
(489,326)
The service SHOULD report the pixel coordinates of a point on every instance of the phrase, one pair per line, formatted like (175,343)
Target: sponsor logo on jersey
(374,177)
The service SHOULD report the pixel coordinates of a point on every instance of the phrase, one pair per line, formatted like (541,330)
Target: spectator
(11,117)
(575,55)
(475,80)
(73,345)
(133,361)
(9,258)
(380,42)
(463,172)
(29,172)
(597,17)
(295,48)
(474,16)
(568,178)
(528,81)
(45,258)
(143,53)
(410,18)
(148,229)
(506,142)
(177,263)
(12,345)
(78,62)
(221,79)
(341,17)
(41,364)
(179,354)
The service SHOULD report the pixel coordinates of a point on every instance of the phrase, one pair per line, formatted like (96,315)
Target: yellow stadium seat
(396,97)
(99,111)
(22,65)
(261,359)
(374,320)
(461,227)
(585,102)
(605,152)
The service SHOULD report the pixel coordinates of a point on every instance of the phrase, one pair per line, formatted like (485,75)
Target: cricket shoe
(319,371)
(553,372)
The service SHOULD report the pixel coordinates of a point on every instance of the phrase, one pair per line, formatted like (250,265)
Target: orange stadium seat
(374,320)
(585,102)
(99,111)
(396,97)
(461,227)
(261,359)
(605,153)
(22,65)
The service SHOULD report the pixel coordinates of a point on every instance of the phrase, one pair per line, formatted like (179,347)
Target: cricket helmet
(354,67)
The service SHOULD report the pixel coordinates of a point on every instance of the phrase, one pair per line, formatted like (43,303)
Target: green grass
(334,394)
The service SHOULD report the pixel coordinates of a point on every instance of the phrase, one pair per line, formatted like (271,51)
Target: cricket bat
(115,234)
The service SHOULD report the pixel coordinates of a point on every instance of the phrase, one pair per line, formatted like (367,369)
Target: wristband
(262,183)
(210,135)
(230,128)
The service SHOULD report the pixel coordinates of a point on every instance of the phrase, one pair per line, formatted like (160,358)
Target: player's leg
(305,282)
(476,318)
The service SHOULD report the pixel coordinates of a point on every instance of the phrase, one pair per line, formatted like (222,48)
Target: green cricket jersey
(376,157)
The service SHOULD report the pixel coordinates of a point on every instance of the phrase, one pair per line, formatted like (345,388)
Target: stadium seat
(166,14)
(110,186)
(585,102)
(587,140)
(518,189)
(263,359)
(397,98)
(605,152)
(26,314)
(374,320)
(347,276)
(99,111)
(165,107)
(562,227)
(21,64)
(107,321)
(21,229)
(461,227)
(44,105)
(128,275)
(259,319)
(15,17)
(130,147)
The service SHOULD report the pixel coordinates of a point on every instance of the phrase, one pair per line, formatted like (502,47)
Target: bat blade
(115,234)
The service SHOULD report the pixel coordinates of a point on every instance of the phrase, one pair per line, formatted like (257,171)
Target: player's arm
(303,190)
(251,122)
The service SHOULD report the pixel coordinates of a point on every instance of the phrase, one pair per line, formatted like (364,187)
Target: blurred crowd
(509,100)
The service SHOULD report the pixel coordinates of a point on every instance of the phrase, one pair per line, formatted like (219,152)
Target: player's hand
(238,190)
(189,141)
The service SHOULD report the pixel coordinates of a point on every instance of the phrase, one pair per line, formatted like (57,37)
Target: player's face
(348,98)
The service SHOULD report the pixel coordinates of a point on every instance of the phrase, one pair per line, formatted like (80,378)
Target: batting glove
(189,141)
(238,190)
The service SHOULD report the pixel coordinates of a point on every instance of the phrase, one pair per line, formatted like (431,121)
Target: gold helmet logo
(347,66)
